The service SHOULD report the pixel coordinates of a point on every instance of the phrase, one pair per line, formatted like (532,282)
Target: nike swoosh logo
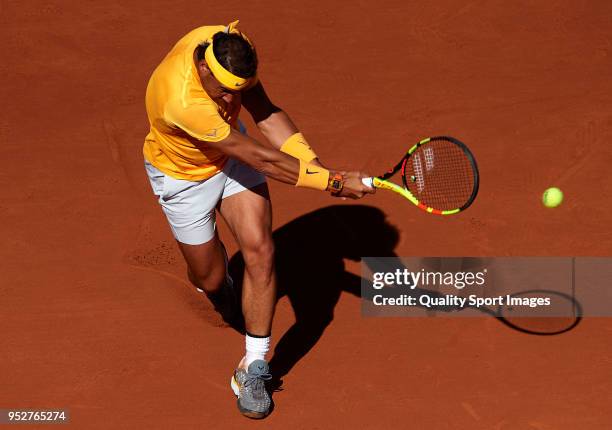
(212,133)
(308,172)
(238,84)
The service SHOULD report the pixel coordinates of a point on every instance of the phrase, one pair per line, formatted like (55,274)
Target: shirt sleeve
(200,120)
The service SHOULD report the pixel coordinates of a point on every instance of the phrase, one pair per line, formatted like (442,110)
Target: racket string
(440,175)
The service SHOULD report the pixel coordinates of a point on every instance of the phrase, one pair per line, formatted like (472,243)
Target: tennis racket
(439,175)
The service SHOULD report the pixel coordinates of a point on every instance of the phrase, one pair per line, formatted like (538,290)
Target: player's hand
(353,187)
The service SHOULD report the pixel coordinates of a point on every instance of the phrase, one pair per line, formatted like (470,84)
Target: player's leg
(249,217)
(189,207)
(206,268)
(247,210)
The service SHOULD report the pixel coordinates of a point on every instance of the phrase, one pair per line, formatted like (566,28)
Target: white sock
(256,349)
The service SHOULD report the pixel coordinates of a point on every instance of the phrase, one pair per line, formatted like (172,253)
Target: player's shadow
(310,253)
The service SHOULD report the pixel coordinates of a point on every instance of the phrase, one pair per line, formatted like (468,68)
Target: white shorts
(190,205)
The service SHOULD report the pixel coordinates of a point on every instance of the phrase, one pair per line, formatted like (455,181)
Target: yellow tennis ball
(552,197)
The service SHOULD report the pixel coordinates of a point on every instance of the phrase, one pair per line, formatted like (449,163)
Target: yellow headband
(224,76)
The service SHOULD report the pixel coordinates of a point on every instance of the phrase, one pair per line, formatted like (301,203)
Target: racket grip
(368,182)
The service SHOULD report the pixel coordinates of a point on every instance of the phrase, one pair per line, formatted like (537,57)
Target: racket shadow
(563,316)
(568,312)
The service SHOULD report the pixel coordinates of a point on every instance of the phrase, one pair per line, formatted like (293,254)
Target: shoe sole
(246,412)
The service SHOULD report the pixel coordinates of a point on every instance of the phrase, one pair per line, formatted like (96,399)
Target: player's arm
(285,168)
(276,125)
(202,122)
(268,161)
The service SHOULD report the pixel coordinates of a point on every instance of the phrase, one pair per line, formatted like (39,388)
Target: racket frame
(384,183)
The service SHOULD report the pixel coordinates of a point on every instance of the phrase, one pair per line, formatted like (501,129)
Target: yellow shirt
(183,117)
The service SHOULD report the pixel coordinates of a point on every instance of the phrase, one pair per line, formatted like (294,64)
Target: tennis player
(198,162)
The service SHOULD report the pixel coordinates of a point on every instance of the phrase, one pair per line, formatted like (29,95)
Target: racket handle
(368,182)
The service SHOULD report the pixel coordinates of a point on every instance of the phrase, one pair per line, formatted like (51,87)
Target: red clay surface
(96,314)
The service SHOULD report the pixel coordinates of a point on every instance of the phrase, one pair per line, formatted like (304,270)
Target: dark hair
(233,52)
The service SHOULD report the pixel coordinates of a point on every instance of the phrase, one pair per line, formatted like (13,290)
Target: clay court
(96,312)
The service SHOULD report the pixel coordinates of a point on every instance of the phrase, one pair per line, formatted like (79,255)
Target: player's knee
(258,254)
(207,280)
